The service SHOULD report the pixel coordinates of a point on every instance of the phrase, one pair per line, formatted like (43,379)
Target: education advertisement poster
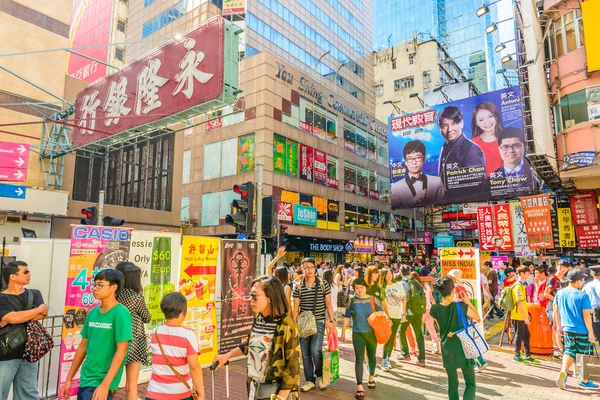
(238,270)
(198,283)
(462,151)
(93,248)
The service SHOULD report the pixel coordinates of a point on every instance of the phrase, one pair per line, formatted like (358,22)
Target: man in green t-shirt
(107,328)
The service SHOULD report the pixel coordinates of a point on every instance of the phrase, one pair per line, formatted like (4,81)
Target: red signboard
(334,183)
(90,25)
(486,227)
(538,221)
(373,194)
(306,162)
(14,159)
(285,211)
(320,167)
(349,146)
(583,208)
(180,75)
(214,124)
(503,226)
(588,236)
(463,225)
(455,216)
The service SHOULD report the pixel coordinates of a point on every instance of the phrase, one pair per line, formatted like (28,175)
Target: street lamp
(413,95)
(319,61)
(494,26)
(481,11)
(507,58)
(500,47)
(395,106)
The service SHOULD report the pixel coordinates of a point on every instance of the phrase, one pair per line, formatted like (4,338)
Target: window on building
(404,83)
(187,166)
(394,64)
(379,90)
(371,148)
(349,177)
(363,216)
(566,34)
(383,184)
(573,109)
(185,208)
(215,206)
(333,215)
(361,142)
(373,186)
(124,1)
(362,181)
(120,54)
(351,217)
(138,175)
(382,152)
(332,163)
(212,161)
(412,58)
(349,136)
(426,77)
(165,18)
(121,25)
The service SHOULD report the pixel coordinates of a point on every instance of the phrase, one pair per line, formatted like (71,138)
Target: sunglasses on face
(254,296)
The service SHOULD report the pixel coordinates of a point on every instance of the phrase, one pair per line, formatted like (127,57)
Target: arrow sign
(13,174)
(193,270)
(470,253)
(487,246)
(12,191)
(13,155)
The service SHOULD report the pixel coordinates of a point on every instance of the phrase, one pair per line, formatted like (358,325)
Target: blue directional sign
(13,191)
(242,236)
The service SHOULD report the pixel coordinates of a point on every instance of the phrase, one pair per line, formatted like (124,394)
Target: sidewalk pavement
(502,379)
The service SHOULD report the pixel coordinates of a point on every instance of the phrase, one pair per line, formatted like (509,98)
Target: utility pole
(259,197)
(100,207)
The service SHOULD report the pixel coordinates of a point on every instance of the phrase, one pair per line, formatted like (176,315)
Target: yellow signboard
(464,243)
(566,231)
(590,10)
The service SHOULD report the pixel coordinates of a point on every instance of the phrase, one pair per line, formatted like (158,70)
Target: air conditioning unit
(425,86)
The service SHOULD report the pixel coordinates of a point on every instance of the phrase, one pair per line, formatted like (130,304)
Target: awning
(38,201)
(583,172)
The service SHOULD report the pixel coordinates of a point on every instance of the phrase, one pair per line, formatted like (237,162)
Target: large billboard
(467,150)
(90,25)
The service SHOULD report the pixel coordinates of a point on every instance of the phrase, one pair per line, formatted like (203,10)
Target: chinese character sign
(306,162)
(93,248)
(485,223)
(588,236)
(180,75)
(437,155)
(320,167)
(566,231)
(536,213)
(198,283)
(583,208)
(504,226)
(519,230)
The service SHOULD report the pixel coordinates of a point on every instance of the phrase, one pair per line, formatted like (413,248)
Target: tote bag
(380,326)
(473,342)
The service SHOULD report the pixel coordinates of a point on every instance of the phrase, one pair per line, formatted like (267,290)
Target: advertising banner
(179,75)
(441,154)
(306,162)
(238,270)
(463,225)
(593,102)
(465,259)
(93,248)
(581,159)
(14,161)
(285,211)
(320,167)
(519,231)
(566,231)
(588,236)
(554,200)
(498,261)
(246,146)
(155,253)
(198,283)
(485,223)
(231,7)
(279,154)
(538,222)
(443,241)
(503,226)
(584,209)
(304,215)
(291,152)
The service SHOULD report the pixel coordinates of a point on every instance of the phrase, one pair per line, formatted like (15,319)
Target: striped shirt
(307,297)
(260,346)
(178,343)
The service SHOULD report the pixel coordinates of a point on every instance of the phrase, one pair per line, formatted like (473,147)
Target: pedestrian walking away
(396,300)
(427,318)
(416,305)
(272,348)
(131,296)
(18,305)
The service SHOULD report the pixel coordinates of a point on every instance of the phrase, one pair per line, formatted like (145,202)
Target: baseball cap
(575,275)
(456,274)
(595,270)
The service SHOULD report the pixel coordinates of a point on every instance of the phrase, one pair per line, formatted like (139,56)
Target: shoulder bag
(380,326)
(39,342)
(14,336)
(177,374)
(473,342)
(307,323)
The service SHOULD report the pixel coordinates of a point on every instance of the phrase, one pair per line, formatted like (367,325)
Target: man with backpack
(415,308)
(313,295)
(18,305)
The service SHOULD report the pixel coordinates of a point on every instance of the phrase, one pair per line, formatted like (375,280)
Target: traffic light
(283,235)
(269,216)
(110,221)
(243,209)
(90,216)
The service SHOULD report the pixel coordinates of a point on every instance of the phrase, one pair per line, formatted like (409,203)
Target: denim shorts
(86,393)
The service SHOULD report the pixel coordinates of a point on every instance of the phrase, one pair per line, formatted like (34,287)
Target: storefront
(322,250)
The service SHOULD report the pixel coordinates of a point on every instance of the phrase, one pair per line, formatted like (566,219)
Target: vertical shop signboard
(519,230)
(566,230)
(504,226)
(93,248)
(155,253)
(538,222)
(198,283)
(279,157)
(584,208)
(306,162)
(238,270)
(291,153)
(320,167)
(485,224)
(467,260)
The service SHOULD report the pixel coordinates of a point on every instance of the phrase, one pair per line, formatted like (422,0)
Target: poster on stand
(467,260)
(157,255)
(93,248)
(238,270)
(198,283)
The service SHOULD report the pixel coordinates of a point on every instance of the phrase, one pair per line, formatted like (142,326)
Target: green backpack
(507,298)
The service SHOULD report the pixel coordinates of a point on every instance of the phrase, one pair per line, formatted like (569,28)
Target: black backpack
(416,298)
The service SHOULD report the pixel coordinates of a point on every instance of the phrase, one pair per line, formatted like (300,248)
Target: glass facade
(346,14)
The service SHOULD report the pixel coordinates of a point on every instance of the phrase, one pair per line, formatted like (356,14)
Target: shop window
(371,147)
(245,153)
(361,142)
(383,184)
(373,186)
(375,219)
(349,177)
(306,199)
(316,120)
(333,215)
(351,216)
(382,152)
(362,181)
(331,128)
(574,108)
(332,176)
(384,220)
(212,161)
(364,218)
(320,204)
(187,166)
(349,137)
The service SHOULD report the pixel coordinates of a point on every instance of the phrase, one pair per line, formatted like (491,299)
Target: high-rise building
(454,24)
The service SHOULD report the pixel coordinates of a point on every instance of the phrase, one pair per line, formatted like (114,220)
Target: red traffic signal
(241,189)
(90,216)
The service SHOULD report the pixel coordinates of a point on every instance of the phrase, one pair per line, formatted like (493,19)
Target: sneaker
(479,368)
(532,360)
(308,386)
(436,349)
(561,381)
(520,360)
(557,356)
(321,383)
(404,358)
(589,385)
(386,365)
(421,363)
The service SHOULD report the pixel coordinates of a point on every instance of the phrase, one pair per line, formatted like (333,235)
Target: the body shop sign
(180,75)
(304,215)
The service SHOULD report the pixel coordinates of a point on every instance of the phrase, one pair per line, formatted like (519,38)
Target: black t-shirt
(6,306)
(453,356)
(550,282)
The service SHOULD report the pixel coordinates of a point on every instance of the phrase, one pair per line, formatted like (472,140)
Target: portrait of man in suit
(416,189)
(515,175)
(462,163)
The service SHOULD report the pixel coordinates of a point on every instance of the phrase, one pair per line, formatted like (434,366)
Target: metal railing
(48,372)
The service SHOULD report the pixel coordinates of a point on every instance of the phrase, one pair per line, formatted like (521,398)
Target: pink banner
(14,155)
(306,162)
(13,174)
(320,167)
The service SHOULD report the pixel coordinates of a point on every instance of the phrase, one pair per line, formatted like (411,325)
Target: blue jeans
(86,393)
(312,354)
(22,376)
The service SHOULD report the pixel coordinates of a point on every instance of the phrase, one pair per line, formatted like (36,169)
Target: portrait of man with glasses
(416,188)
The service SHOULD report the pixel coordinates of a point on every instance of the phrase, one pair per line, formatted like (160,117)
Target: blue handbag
(473,342)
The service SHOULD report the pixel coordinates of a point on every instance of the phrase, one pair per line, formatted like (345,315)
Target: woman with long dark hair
(486,126)
(131,297)
(273,346)
(283,274)
(427,318)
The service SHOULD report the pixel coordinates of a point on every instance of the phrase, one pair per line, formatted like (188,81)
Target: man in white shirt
(592,289)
